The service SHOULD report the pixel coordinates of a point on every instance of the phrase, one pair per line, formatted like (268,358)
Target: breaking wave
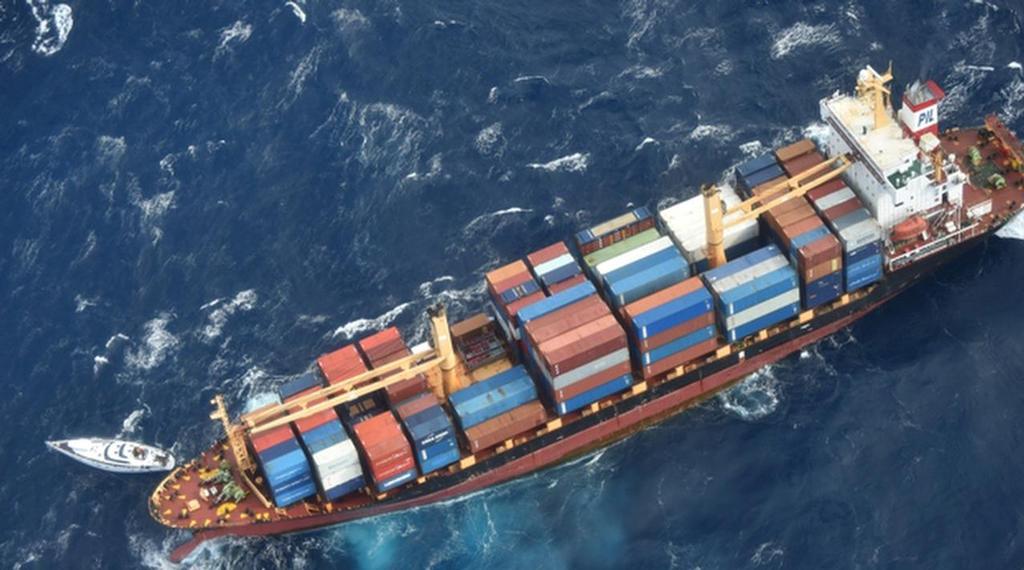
(803,35)
(131,423)
(1014,229)
(297,10)
(357,327)
(753,398)
(157,344)
(491,215)
(576,162)
(236,33)
(243,301)
(53,25)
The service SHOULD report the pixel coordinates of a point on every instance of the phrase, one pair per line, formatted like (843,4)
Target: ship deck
(183,500)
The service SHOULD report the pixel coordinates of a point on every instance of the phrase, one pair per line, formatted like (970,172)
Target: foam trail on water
(754,398)
(576,162)
(1014,229)
(358,326)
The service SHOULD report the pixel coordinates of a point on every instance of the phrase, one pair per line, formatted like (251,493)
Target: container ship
(637,318)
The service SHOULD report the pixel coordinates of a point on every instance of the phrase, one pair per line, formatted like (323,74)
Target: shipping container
(587,370)
(284,465)
(683,329)
(748,182)
(686,225)
(300,383)
(803,163)
(680,358)
(386,450)
(565,319)
(860,235)
(686,301)
(755,165)
(825,189)
(362,408)
(835,198)
(341,364)
(555,302)
(506,426)
(636,259)
(821,291)
(593,395)
(769,320)
(618,248)
(586,384)
(546,254)
(567,284)
(485,399)
(797,149)
(581,345)
(863,252)
(639,285)
(614,230)
(863,273)
(334,457)
(431,432)
(840,210)
(677,345)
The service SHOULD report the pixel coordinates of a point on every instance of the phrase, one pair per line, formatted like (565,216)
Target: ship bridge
(901,169)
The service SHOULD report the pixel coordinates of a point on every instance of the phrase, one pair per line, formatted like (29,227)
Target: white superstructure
(894,172)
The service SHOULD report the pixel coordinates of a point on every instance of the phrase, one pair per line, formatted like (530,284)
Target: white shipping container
(553,264)
(749,274)
(335,452)
(761,309)
(635,254)
(834,199)
(339,476)
(587,370)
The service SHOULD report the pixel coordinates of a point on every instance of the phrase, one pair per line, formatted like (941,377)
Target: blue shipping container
(303,382)
(523,289)
(397,480)
(641,264)
(639,285)
(556,301)
(855,217)
(595,394)
(741,263)
(817,293)
(493,397)
(755,292)
(862,253)
(672,313)
(756,164)
(764,322)
(586,236)
(559,274)
(749,182)
(806,238)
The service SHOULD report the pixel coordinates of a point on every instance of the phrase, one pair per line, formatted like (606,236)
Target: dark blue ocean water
(199,197)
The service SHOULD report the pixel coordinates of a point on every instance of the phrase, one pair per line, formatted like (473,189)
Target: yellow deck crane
(715,213)
(871,88)
(442,356)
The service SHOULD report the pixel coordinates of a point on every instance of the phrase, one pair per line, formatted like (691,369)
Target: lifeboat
(909,229)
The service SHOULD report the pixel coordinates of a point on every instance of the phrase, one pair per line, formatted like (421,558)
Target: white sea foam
(647,141)
(53,25)
(357,327)
(492,95)
(110,149)
(349,18)
(803,35)
(766,553)
(490,141)
(153,209)
(1014,229)
(1015,65)
(483,218)
(306,68)
(297,10)
(131,423)
(83,303)
(576,162)
(116,341)
(237,33)
(817,132)
(243,301)
(98,363)
(752,148)
(755,397)
(714,132)
(157,344)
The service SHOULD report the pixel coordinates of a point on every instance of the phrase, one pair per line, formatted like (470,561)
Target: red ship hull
(571,446)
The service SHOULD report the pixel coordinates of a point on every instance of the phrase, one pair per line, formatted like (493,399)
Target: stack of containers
(334,457)
(756,172)
(671,327)
(345,363)
(858,231)
(284,466)
(555,267)
(754,292)
(387,346)
(598,256)
(430,430)
(579,352)
(492,397)
(614,230)
(511,287)
(506,426)
(686,224)
(386,451)
(641,271)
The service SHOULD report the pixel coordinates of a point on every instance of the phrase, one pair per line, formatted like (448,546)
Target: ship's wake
(1014,229)
(754,398)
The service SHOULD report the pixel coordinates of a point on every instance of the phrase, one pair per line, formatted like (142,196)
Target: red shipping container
(316,420)
(386,352)
(591,382)
(793,231)
(679,290)
(834,185)
(770,190)
(511,283)
(795,203)
(341,364)
(816,272)
(506,426)
(678,331)
(404,389)
(512,309)
(679,358)
(819,251)
(794,216)
(570,282)
(566,319)
(579,346)
(383,443)
(547,254)
(803,163)
(840,210)
(274,436)
(384,337)
(415,405)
